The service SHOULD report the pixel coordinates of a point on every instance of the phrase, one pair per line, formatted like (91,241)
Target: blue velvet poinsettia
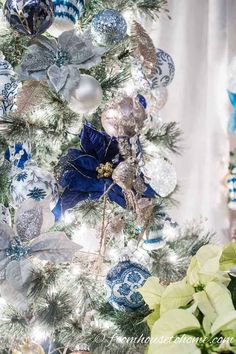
(79,176)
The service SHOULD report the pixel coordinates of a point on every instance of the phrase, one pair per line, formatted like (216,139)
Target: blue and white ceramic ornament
(29,17)
(165,230)
(231,184)
(9,87)
(66,14)
(122,282)
(165,69)
(108,27)
(34,183)
(18,154)
(5,216)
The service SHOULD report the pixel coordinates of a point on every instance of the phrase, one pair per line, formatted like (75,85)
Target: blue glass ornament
(142,100)
(108,27)
(165,69)
(122,282)
(232,120)
(29,17)
(17,154)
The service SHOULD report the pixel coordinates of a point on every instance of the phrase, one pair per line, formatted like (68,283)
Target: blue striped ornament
(231,184)
(66,14)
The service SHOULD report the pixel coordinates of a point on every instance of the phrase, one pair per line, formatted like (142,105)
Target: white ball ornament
(33,183)
(66,14)
(87,96)
(9,87)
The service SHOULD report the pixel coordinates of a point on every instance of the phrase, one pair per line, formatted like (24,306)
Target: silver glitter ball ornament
(108,27)
(161,175)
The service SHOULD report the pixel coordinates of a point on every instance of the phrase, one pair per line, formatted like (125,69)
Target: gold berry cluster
(104,171)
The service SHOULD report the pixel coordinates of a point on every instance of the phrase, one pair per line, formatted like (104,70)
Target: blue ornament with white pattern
(29,17)
(17,154)
(108,27)
(9,87)
(165,68)
(66,14)
(122,282)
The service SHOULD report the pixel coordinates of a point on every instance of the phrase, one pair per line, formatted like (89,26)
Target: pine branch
(4,183)
(13,45)
(13,326)
(55,308)
(131,324)
(168,136)
(43,279)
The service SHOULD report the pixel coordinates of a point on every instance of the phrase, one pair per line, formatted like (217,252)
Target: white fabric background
(201,38)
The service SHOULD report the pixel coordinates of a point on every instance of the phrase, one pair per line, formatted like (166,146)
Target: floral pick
(28,240)
(60,60)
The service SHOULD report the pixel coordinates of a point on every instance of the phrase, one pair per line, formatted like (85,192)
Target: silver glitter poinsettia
(28,240)
(60,60)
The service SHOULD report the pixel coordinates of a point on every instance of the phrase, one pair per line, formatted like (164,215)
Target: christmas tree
(86,176)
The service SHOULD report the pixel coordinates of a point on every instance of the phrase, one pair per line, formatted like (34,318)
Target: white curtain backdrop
(201,38)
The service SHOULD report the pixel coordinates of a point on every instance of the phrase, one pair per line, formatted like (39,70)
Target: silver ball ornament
(108,27)
(160,96)
(87,96)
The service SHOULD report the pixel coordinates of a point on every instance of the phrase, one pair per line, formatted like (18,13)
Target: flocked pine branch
(12,45)
(168,135)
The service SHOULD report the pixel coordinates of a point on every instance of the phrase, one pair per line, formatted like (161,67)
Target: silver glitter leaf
(35,63)
(80,49)
(6,234)
(33,218)
(71,83)
(28,225)
(49,44)
(14,297)
(18,274)
(58,76)
(54,247)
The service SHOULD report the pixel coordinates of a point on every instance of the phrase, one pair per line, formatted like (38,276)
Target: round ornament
(17,154)
(161,175)
(158,234)
(160,96)
(29,348)
(165,69)
(87,96)
(29,17)
(5,216)
(108,27)
(9,87)
(33,183)
(122,282)
(66,14)
(125,117)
